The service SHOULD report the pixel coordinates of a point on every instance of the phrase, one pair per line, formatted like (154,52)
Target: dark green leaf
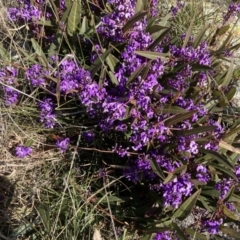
(228,171)
(99,62)
(44,215)
(136,73)
(179,118)
(156,28)
(156,169)
(200,67)
(196,130)
(231,93)
(113,78)
(135,18)
(179,232)
(229,194)
(185,209)
(216,156)
(38,50)
(158,39)
(200,36)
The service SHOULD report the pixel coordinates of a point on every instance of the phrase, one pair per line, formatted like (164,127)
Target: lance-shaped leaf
(227,146)
(231,93)
(152,55)
(38,50)
(189,32)
(84,26)
(113,78)
(229,231)
(140,5)
(179,232)
(185,209)
(199,36)
(196,130)
(158,39)
(135,18)
(156,28)
(156,168)
(179,118)
(136,73)
(229,213)
(229,75)
(99,62)
(229,194)
(195,234)
(217,156)
(170,177)
(226,170)
(74,17)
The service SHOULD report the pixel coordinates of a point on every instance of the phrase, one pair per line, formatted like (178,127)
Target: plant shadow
(6,195)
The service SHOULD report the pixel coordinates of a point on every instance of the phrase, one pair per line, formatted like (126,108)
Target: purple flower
(202,173)
(223,187)
(164,236)
(22,151)
(212,226)
(62,144)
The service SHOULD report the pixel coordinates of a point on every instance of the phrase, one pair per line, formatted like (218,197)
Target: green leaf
(99,62)
(135,18)
(44,215)
(74,17)
(159,39)
(37,48)
(29,143)
(200,67)
(196,130)
(45,23)
(231,93)
(199,36)
(155,28)
(156,168)
(185,209)
(205,202)
(229,194)
(222,30)
(197,182)
(179,232)
(84,26)
(112,61)
(179,118)
(229,231)
(152,55)
(189,32)
(113,78)
(229,213)
(228,171)
(217,156)
(229,75)
(195,235)
(136,73)
(170,177)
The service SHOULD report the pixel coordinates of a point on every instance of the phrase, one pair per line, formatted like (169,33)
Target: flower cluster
(8,77)
(47,116)
(22,151)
